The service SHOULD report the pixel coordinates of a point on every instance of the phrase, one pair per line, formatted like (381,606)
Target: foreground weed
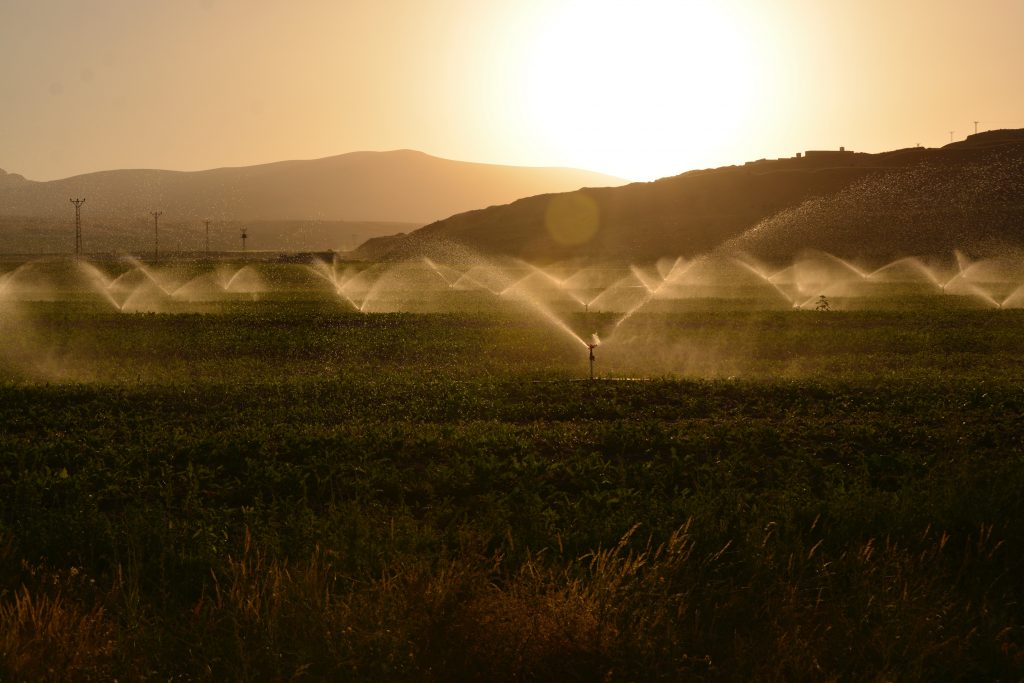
(49,638)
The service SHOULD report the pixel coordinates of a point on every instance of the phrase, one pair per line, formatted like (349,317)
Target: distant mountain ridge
(401,186)
(968,195)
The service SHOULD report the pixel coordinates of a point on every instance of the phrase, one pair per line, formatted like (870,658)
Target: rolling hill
(968,195)
(362,194)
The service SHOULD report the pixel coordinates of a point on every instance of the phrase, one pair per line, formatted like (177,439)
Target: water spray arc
(645,293)
(78,225)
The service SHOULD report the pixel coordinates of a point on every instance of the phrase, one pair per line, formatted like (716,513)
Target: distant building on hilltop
(828,156)
(812,157)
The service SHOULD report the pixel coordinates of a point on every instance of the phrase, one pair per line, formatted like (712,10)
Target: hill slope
(400,186)
(932,208)
(968,195)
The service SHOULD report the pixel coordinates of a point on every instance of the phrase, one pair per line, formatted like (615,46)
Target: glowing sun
(639,88)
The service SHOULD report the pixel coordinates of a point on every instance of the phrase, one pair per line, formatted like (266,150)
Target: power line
(78,225)
(156,234)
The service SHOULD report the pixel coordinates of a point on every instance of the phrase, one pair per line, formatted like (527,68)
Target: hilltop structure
(819,158)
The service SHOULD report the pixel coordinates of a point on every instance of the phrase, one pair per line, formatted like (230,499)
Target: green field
(285,489)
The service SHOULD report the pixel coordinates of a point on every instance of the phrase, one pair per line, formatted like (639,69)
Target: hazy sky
(636,88)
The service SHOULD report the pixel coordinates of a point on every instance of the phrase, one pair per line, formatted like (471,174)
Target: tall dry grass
(49,638)
(683,609)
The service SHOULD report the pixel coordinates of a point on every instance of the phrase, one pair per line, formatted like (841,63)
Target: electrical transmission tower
(207,222)
(78,225)
(156,234)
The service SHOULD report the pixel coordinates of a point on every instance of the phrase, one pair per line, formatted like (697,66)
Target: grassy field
(292,491)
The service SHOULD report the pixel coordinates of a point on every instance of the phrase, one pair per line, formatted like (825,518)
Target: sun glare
(640,89)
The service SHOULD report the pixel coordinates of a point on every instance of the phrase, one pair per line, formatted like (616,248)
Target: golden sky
(635,88)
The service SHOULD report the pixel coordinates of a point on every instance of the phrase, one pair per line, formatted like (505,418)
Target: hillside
(401,186)
(968,196)
(932,208)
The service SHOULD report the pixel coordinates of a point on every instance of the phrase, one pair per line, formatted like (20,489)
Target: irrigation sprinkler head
(595,341)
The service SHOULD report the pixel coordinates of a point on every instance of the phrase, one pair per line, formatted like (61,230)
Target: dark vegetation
(280,493)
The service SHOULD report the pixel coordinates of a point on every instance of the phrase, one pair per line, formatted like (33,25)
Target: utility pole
(207,221)
(244,236)
(78,225)
(156,234)
(976,127)
(951,137)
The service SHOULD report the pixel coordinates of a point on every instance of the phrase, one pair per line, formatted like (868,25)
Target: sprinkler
(595,341)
